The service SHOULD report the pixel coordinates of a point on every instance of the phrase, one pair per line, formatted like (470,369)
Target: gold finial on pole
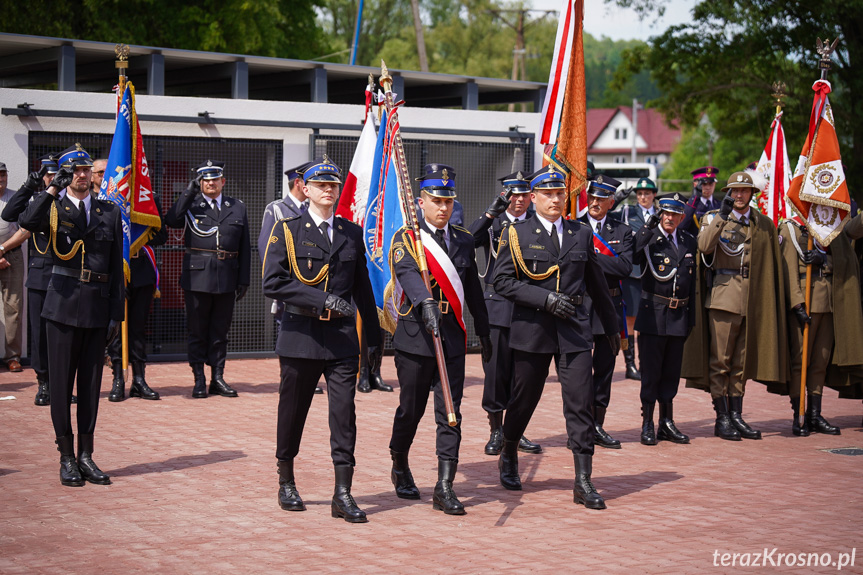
(122,63)
(386,80)
(825,49)
(778,94)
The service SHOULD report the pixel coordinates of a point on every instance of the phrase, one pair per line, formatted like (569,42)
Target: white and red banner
(355,192)
(818,191)
(775,168)
(558,75)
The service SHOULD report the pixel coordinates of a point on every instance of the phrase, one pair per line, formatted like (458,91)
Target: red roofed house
(610,134)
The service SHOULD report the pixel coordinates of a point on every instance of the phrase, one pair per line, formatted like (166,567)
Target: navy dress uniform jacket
(39,260)
(411,335)
(619,237)
(204,269)
(70,301)
(306,336)
(533,329)
(658,318)
(486,233)
(275,211)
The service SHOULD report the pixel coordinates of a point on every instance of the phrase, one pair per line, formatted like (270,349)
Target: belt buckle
(220,254)
(444,306)
(673,303)
(326,316)
(85,276)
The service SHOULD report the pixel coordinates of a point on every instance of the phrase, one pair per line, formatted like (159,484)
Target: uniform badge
(661,268)
(666,260)
(227,204)
(202,205)
(68,209)
(273,239)
(308,225)
(340,226)
(98,211)
(310,264)
(537,230)
(502,243)
(569,232)
(399,253)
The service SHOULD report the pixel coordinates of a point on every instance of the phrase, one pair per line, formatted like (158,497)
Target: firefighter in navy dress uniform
(84,303)
(546,265)
(421,314)
(666,313)
(315,264)
(497,386)
(216,270)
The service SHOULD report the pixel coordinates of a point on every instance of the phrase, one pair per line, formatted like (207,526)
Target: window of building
(620,133)
(620,159)
(651,159)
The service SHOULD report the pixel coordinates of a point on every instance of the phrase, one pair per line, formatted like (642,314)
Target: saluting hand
(62,179)
(497,207)
(651,222)
(727,206)
(35,178)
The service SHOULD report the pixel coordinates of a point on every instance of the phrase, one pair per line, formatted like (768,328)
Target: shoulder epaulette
(460,228)
(518,222)
(289,218)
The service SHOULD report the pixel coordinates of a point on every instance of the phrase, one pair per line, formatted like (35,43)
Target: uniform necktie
(440,239)
(216,207)
(304,206)
(671,240)
(743,221)
(555,240)
(598,228)
(82,214)
(325,230)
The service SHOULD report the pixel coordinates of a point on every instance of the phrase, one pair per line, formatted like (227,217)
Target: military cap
(49,162)
(297,172)
(211,170)
(674,202)
(321,170)
(74,156)
(646,184)
(516,183)
(707,172)
(438,180)
(740,180)
(3,167)
(547,178)
(602,186)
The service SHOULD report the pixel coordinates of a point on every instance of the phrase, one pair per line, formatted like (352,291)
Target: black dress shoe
(583,492)
(377,382)
(444,498)
(723,428)
(74,398)
(43,397)
(815,422)
(799,430)
(363,385)
(403,479)
(735,409)
(495,439)
(667,430)
(139,386)
(118,385)
(319,390)
(527,446)
(507,465)
(289,497)
(648,434)
(70,475)
(343,505)
(600,436)
(219,386)
(89,470)
(200,390)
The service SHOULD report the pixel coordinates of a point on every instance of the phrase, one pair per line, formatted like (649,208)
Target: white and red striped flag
(355,191)
(818,191)
(775,168)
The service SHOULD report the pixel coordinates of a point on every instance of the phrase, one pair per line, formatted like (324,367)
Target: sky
(601,19)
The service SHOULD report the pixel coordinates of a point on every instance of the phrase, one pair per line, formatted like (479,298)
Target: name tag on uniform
(309,244)
(536,247)
(67,224)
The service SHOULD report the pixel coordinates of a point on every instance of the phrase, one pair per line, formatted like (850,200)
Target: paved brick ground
(195,485)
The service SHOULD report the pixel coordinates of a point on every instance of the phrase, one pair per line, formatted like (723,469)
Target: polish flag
(776,171)
(355,193)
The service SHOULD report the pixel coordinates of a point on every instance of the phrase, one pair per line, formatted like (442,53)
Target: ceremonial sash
(601,246)
(444,272)
(151,257)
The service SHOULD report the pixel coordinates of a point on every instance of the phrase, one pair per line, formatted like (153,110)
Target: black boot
(525,445)
(629,356)
(70,475)
(648,434)
(377,382)
(218,384)
(667,430)
(600,437)
(444,497)
(796,428)
(139,384)
(118,386)
(584,492)
(343,503)
(43,396)
(495,439)
(289,497)
(735,408)
(508,466)
(403,479)
(363,383)
(814,421)
(723,428)
(200,380)
(89,470)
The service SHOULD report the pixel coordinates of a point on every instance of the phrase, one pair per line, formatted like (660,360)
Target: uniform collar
(593,222)
(546,224)
(318,220)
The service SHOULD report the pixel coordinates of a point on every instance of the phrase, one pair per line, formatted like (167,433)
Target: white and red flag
(775,168)
(355,191)
(818,191)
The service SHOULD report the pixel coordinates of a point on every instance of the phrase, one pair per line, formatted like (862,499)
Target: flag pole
(386,82)
(122,63)
(825,51)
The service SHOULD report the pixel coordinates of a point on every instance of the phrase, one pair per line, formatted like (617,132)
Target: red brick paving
(194,489)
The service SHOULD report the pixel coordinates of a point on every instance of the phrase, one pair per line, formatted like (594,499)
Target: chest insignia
(666,260)
(661,268)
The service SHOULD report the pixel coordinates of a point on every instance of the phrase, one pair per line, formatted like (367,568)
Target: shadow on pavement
(177,463)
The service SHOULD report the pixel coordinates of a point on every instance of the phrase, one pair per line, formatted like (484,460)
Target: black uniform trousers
(497,386)
(139,301)
(576,388)
(208,317)
(299,377)
(75,351)
(38,337)
(603,370)
(417,375)
(660,357)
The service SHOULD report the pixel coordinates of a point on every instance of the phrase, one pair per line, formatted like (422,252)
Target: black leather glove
(338,306)
(62,179)
(614,341)
(813,257)
(194,185)
(485,344)
(497,207)
(241,292)
(34,179)
(651,222)
(431,316)
(560,305)
(698,189)
(801,315)
(376,354)
(113,331)
(727,206)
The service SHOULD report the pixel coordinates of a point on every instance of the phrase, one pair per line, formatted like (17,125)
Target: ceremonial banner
(383,218)
(819,192)
(563,124)
(127,180)
(776,170)
(355,193)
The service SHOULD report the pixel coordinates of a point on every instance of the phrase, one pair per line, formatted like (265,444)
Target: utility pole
(635,107)
(421,43)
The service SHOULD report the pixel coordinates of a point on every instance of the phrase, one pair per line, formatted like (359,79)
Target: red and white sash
(444,272)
